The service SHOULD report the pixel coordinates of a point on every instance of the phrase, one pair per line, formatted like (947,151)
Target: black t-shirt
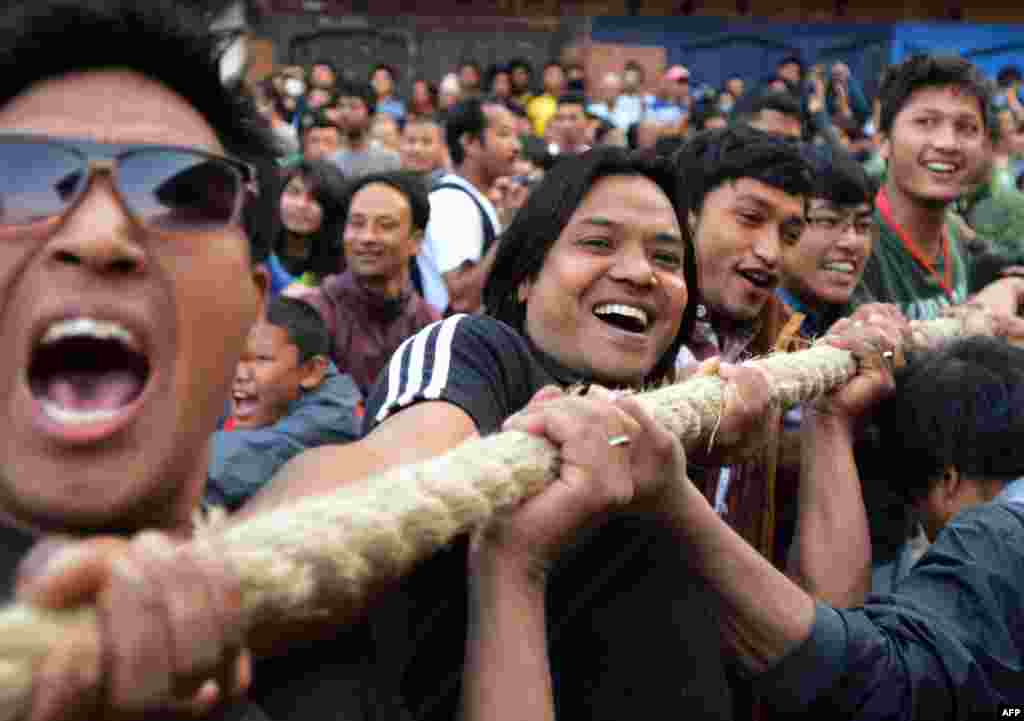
(631,630)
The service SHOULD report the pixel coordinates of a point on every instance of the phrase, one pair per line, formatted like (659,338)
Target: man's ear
(466,140)
(523,291)
(692,221)
(951,484)
(416,239)
(314,372)
(261,279)
(885,147)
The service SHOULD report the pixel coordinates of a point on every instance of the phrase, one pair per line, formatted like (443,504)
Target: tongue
(93,391)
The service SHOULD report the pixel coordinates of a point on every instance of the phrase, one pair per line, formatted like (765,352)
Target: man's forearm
(507,673)
(764,615)
(831,553)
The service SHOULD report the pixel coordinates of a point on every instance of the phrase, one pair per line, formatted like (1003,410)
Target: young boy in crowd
(287,396)
(937,125)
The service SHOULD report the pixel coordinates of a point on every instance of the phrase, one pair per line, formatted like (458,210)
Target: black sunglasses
(166,187)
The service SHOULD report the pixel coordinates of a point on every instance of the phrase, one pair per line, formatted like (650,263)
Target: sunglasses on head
(165,187)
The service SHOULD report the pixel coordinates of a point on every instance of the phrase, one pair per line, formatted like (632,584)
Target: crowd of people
(239,297)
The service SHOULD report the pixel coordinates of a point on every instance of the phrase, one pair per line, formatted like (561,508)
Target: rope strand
(297,562)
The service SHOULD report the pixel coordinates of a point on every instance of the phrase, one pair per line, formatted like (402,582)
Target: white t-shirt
(454,235)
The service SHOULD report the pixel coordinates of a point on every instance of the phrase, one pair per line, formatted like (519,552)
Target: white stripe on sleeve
(414,376)
(403,389)
(442,358)
(394,377)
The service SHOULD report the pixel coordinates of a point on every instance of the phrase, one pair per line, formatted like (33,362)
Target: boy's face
(827,262)
(120,439)
(937,146)
(268,379)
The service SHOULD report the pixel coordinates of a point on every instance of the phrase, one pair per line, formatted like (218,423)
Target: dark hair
(961,406)
(349,88)
(408,184)
(537,152)
(668,145)
(538,224)
(470,63)
(327,185)
(467,117)
(160,40)
(713,157)
(329,64)
(838,178)
(633,131)
(392,71)
(794,59)
(751,105)
(305,327)
(850,126)
(932,71)
(573,99)
(492,72)
(516,63)
(987,267)
(1008,75)
(604,126)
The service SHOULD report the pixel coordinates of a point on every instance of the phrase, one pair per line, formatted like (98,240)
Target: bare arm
(831,553)
(763,614)
(507,673)
(419,432)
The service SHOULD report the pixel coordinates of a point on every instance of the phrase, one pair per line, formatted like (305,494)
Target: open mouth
(759,278)
(624,317)
(942,169)
(244,404)
(85,371)
(845,267)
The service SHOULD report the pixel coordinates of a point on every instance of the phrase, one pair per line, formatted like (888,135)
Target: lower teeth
(69,417)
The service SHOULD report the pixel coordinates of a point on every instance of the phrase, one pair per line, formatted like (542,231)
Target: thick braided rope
(325,552)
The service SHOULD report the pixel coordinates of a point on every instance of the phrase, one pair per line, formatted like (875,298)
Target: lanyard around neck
(882,203)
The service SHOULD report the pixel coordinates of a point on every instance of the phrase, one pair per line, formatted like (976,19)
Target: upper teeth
(840,267)
(941,167)
(76,418)
(88,328)
(627,310)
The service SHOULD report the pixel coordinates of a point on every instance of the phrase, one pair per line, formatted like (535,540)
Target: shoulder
(474,361)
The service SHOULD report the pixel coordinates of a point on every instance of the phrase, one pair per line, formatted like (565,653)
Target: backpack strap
(490,233)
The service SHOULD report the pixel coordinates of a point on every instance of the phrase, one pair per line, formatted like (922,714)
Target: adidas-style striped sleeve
(474,362)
